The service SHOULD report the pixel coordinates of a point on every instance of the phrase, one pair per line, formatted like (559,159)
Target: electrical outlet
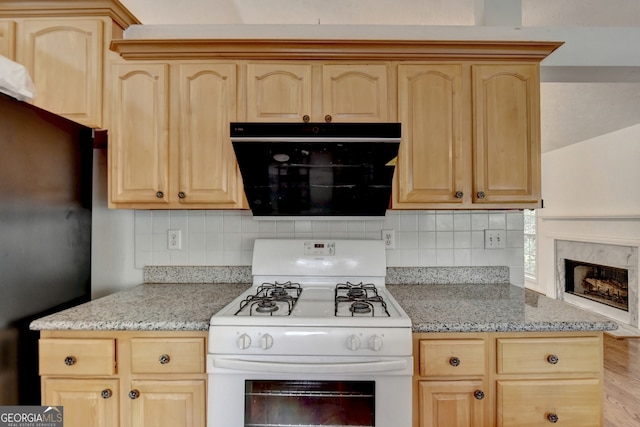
(174,239)
(389,237)
(495,239)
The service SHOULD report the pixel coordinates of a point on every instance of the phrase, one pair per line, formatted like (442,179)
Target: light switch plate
(495,239)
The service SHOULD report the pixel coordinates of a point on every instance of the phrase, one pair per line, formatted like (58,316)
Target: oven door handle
(313,368)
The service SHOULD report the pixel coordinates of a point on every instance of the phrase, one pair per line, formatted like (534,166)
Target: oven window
(309,403)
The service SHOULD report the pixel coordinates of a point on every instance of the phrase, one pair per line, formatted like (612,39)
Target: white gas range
(317,340)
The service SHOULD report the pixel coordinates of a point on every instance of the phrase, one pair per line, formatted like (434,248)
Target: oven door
(309,391)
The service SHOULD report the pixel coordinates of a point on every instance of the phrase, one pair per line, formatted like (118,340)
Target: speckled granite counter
(432,308)
(491,308)
(149,307)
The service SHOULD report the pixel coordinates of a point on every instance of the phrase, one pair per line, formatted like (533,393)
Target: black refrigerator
(45,233)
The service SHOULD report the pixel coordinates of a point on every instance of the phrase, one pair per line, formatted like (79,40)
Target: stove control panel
(319,248)
(311,341)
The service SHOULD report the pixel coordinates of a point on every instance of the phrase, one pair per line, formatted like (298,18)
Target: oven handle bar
(313,368)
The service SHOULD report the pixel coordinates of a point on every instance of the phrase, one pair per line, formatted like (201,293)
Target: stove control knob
(266,342)
(353,343)
(243,342)
(375,342)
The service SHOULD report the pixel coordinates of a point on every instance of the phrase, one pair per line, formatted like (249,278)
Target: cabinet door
(139,143)
(432,160)
(65,60)
(168,403)
(7,38)
(208,171)
(278,92)
(355,93)
(86,402)
(452,404)
(506,123)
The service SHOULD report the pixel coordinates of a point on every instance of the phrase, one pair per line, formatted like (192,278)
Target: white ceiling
(579,101)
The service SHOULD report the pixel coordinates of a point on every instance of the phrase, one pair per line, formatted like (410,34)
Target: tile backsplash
(422,238)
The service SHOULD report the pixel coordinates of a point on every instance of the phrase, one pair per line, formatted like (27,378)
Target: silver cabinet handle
(106,393)
(478,394)
(454,361)
(553,418)
(134,394)
(69,360)
(164,359)
(553,359)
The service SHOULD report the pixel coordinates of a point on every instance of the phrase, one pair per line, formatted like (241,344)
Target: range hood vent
(327,170)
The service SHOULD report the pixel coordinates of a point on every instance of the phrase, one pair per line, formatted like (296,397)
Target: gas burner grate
(269,298)
(362,299)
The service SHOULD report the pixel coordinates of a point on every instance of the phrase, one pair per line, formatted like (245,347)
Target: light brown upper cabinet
(433,162)
(300,91)
(65,59)
(65,48)
(470,113)
(170,143)
(7,38)
(506,134)
(471,136)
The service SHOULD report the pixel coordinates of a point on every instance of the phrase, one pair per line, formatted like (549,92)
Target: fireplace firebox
(600,283)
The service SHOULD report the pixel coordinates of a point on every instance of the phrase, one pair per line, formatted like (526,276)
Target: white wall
(595,177)
(112,248)
(591,192)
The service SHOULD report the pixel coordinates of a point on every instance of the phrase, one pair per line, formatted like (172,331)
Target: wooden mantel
(333,49)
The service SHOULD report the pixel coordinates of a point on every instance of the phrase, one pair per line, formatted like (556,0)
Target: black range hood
(317,169)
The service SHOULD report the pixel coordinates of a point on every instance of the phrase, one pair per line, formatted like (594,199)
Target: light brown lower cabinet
(125,379)
(452,403)
(508,379)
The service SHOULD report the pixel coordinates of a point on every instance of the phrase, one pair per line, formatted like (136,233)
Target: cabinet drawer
(536,402)
(167,355)
(549,355)
(452,357)
(59,356)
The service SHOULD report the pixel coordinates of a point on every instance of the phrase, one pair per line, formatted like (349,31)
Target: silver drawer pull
(164,359)
(454,361)
(69,360)
(134,394)
(478,394)
(553,359)
(106,393)
(553,418)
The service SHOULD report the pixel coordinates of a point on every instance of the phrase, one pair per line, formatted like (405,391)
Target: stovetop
(294,304)
(316,283)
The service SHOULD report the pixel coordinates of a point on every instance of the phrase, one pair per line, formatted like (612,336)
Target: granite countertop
(432,308)
(491,308)
(148,307)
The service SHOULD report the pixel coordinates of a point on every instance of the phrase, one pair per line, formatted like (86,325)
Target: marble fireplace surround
(611,254)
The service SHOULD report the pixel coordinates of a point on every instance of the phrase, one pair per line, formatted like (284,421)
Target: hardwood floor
(621,382)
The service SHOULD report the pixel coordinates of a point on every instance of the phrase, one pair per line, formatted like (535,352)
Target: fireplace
(600,283)
(600,277)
